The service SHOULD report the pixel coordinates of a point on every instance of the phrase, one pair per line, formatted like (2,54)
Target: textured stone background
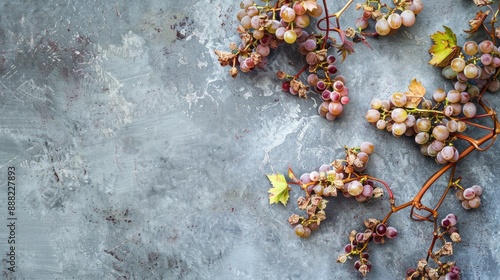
(138,157)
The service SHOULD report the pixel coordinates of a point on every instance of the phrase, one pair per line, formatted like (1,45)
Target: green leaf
(279,191)
(445,47)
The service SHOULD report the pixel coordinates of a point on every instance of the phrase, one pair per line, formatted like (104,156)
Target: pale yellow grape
(454,96)
(465,204)
(252,11)
(422,138)
(423,125)
(410,121)
(386,104)
(417,6)
(372,115)
(246,3)
(367,147)
(458,64)
(471,71)
(475,202)
(440,132)
(461,126)
(382,27)
(452,126)
(399,99)
(355,188)
(258,34)
(398,128)
(399,115)
(469,109)
(439,95)
(302,21)
(470,48)
(280,33)
(395,21)
(408,18)
(423,149)
(246,22)
(440,159)
(316,12)
(448,110)
(376,104)
(448,152)
(241,13)
(457,109)
(381,124)
(288,15)
(274,24)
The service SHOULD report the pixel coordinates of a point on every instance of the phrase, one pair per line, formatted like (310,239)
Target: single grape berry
(391,232)
(381,229)
(469,193)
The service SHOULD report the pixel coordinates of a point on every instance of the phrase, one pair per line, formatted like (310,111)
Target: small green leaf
(279,191)
(445,47)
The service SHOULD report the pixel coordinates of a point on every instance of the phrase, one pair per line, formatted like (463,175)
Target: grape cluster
(448,271)
(375,231)
(322,77)
(470,197)
(475,66)
(433,124)
(340,175)
(389,20)
(263,28)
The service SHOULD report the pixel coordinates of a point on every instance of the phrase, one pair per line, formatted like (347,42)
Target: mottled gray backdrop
(138,157)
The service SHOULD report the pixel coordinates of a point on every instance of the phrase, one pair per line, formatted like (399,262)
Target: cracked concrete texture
(138,157)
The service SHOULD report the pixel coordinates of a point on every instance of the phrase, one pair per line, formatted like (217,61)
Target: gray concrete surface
(138,157)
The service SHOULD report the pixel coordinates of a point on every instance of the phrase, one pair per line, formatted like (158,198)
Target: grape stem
(475,144)
(327,19)
(301,71)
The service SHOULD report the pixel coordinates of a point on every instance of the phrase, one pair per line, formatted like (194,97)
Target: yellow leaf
(309,5)
(279,191)
(415,94)
(444,49)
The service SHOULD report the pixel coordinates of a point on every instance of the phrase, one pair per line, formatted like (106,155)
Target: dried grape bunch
(375,232)
(342,175)
(447,233)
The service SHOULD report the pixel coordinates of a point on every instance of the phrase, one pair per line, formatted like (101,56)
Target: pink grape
(477,189)
(391,232)
(310,44)
(344,100)
(335,108)
(469,193)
